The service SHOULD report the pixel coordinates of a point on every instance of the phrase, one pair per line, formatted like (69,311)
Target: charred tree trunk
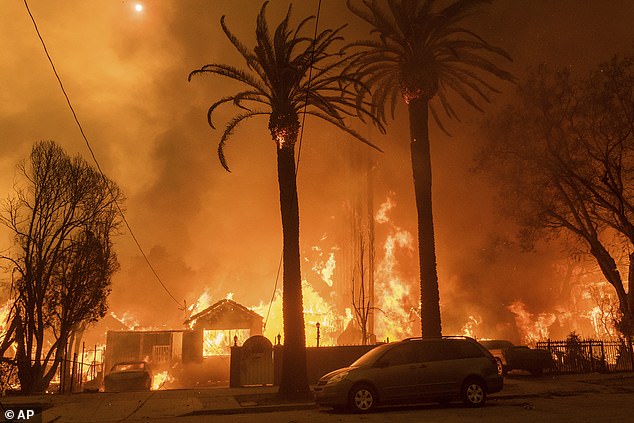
(293,379)
(421,168)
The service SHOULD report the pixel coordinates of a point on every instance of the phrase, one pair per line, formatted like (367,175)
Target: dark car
(129,376)
(413,370)
(518,357)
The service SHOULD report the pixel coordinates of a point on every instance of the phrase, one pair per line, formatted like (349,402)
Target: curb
(254,409)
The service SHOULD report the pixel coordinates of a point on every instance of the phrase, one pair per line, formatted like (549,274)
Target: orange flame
(469,328)
(127,320)
(160,379)
(533,328)
(396,317)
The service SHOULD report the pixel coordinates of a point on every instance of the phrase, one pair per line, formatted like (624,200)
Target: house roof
(224,308)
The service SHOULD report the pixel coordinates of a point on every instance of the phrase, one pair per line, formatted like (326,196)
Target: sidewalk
(112,407)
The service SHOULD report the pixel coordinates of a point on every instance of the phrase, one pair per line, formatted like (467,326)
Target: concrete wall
(322,360)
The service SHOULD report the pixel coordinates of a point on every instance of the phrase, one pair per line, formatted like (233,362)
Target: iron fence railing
(582,356)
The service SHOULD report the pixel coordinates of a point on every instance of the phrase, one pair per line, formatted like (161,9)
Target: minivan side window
(401,354)
(431,351)
(448,349)
(470,350)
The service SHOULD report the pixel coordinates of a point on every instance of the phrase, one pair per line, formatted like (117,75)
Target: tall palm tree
(421,54)
(279,85)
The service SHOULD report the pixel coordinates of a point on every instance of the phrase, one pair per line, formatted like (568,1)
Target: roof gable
(225,310)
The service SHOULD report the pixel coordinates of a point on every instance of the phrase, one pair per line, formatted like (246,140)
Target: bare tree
(564,159)
(62,221)
(362,276)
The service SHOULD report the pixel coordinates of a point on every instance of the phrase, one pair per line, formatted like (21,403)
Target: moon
(138,7)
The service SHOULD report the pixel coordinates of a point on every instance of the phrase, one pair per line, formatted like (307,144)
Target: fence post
(72,373)
(81,366)
(629,339)
(603,361)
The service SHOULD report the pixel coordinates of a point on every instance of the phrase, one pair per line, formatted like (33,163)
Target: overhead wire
(92,154)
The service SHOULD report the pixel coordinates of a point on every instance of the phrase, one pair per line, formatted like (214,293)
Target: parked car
(518,357)
(413,370)
(129,376)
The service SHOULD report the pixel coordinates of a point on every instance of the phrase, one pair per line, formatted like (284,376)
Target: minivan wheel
(362,398)
(474,393)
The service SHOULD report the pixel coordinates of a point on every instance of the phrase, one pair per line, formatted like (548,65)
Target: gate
(256,361)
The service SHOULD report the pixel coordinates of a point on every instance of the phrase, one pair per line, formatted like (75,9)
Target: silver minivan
(413,370)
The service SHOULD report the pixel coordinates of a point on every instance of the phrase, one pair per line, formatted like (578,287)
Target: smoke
(204,228)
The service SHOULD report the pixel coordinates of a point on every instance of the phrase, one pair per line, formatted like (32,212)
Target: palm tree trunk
(293,378)
(421,168)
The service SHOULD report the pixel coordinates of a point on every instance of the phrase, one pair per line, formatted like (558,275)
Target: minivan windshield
(371,356)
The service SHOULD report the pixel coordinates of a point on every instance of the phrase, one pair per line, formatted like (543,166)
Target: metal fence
(84,372)
(583,356)
(81,373)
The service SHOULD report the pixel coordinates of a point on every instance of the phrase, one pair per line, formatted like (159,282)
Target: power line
(83,134)
(310,80)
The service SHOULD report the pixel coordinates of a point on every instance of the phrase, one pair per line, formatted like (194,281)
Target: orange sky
(126,73)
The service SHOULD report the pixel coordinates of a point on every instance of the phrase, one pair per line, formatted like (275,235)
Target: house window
(219,342)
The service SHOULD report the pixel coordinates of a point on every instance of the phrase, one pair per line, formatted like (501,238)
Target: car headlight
(337,378)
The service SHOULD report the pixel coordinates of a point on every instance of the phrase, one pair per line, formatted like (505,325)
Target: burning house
(222,324)
(159,348)
(198,355)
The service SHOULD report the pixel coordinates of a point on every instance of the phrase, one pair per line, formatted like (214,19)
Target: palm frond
(233,123)
(277,78)
(232,73)
(236,99)
(438,121)
(420,40)
(250,58)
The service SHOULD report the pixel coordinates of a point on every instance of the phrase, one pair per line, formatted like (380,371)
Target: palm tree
(421,54)
(279,84)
